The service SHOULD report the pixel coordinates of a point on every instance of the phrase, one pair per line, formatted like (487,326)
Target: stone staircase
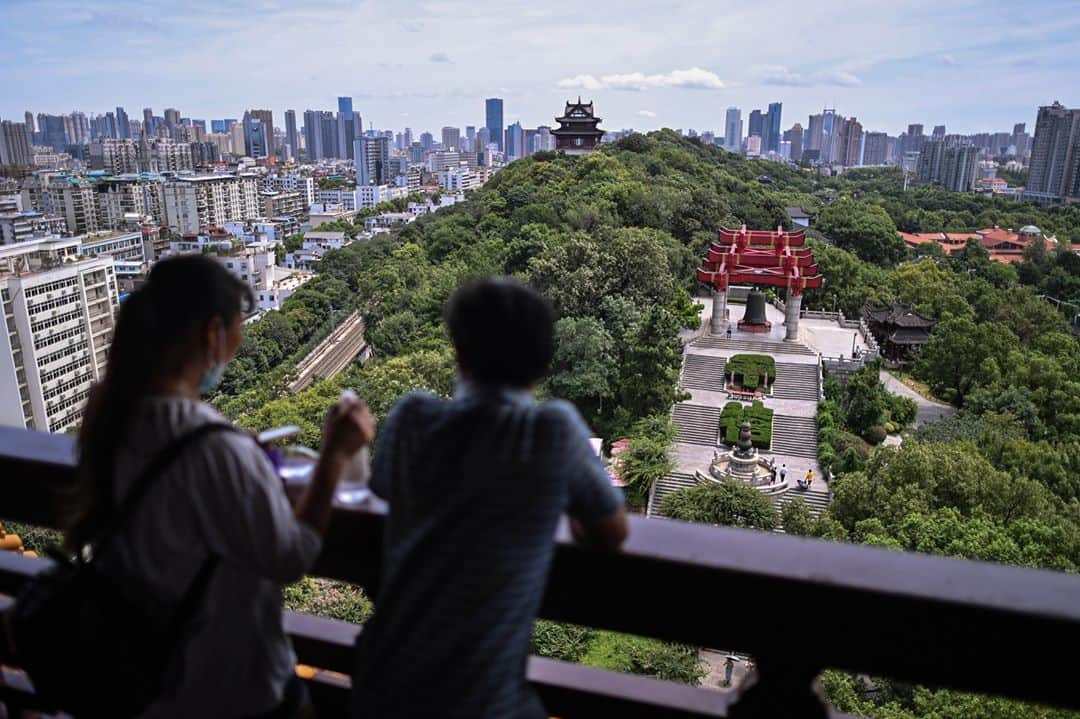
(696,424)
(794,436)
(796,381)
(816,501)
(665,486)
(719,342)
(703,372)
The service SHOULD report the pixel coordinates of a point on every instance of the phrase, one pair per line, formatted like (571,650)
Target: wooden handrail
(932,620)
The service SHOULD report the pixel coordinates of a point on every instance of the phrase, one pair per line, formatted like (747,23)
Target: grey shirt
(222,496)
(476,488)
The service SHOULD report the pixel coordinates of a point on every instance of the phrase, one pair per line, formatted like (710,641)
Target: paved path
(929,410)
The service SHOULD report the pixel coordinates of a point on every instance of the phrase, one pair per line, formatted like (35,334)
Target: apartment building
(192,203)
(58,323)
(23,225)
(125,248)
(281,204)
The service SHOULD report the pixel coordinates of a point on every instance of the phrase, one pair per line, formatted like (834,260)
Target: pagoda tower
(577,133)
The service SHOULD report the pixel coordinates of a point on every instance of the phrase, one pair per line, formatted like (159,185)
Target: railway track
(333,354)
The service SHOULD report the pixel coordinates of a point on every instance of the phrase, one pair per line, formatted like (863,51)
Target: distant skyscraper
(217,126)
(257,137)
(958,167)
(172,117)
(931,157)
(733,129)
(312,131)
(493,109)
(771,128)
(292,139)
(123,126)
(1054,171)
(426,140)
(515,141)
(815,132)
(830,131)
(939,132)
(372,160)
(14,145)
(346,127)
(795,137)
(29,119)
(148,125)
(756,124)
(451,138)
(407,137)
(849,142)
(470,132)
(876,149)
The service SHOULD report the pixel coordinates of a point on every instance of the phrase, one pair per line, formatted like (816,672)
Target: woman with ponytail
(218,509)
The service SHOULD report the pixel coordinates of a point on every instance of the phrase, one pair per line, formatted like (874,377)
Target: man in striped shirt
(476,486)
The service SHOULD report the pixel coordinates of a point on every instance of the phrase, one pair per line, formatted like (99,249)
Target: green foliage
(867,230)
(731,419)
(639,655)
(647,458)
(796,519)
(583,369)
(750,371)
(619,652)
(328,598)
(726,502)
(34,538)
(865,400)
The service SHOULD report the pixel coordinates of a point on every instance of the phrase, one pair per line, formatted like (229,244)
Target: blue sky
(974,65)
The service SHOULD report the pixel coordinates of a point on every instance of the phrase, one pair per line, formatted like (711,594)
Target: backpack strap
(151,473)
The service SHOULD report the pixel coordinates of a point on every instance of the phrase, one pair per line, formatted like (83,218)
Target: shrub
(902,410)
(796,518)
(845,440)
(556,640)
(638,655)
(749,370)
(848,461)
(826,457)
(760,417)
(729,503)
(875,434)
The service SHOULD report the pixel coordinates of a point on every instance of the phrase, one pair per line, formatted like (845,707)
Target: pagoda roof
(900,315)
(578,131)
(909,336)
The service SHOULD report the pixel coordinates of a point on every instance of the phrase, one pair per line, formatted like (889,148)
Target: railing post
(781,686)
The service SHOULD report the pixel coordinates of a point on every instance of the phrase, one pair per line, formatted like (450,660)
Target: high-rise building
(52,131)
(329,146)
(123,127)
(493,113)
(451,138)
(256,137)
(407,137)
(795,137)
(115,156)
(515,141)
(733,129)
(60,312)
(28,118)
(830,132)
(756,123)
(1054,171)
(292,140)
(346,127)
(148,121)
(876,148)
(815,133)
(311,134)
(931,158)
(172,118)
(958,167)
(849,142)
(427,140)
(938,133)
(14,145)
(372,160)
(771,128)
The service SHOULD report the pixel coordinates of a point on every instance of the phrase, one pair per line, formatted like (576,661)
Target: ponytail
(155,329)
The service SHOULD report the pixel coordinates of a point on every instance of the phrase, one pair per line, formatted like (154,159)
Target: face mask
(214,373)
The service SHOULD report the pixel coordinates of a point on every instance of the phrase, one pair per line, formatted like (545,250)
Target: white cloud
(782,75)
(646,113)
(693,78)
(948,59)
(439,57)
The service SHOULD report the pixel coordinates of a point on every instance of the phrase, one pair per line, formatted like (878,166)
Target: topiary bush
(749,370)
(731,419)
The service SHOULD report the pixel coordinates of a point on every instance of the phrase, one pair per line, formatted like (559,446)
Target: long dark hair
(156,328)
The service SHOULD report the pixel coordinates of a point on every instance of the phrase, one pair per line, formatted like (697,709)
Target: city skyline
(643,69)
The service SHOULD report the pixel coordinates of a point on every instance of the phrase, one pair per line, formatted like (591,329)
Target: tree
(726,502)
(862,228)
(584,366)
(796,519)
(961,353)
(865,400)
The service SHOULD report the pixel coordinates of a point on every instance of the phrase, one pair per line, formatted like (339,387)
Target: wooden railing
(933,620)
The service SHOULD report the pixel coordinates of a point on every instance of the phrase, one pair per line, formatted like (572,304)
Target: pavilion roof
(900,315)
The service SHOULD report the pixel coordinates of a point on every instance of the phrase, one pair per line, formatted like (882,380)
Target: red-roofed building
(1003,245)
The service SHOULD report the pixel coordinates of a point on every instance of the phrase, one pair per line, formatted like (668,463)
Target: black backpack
(95,645)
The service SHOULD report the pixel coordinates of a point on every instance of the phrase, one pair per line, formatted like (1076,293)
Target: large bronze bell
(754,317)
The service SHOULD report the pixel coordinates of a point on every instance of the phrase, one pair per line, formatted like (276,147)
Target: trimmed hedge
(731,418)
(750,369)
